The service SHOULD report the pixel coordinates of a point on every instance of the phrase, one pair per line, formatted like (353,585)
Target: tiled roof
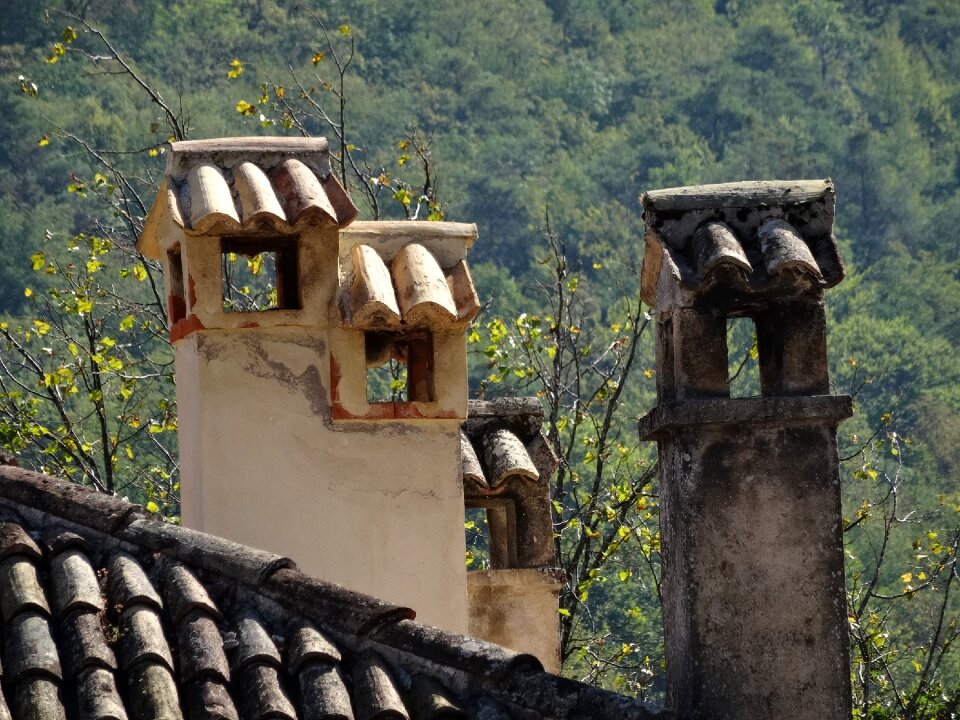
(230,185)
(751,239)
(409,283)
(110,613)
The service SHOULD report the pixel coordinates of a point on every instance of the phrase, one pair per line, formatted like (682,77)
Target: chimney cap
(737,195)
(751,231)
(244,185)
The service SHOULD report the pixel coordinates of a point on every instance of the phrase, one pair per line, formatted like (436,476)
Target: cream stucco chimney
(283,445)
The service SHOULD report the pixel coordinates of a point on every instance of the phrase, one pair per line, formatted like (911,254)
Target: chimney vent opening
(399,367)
(743,353)
(176,303)
(259,274)
(477,532)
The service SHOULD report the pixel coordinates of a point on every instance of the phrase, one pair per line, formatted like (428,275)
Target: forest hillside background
(542,121)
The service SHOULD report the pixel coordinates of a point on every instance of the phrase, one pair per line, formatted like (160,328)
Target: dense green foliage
(523,110)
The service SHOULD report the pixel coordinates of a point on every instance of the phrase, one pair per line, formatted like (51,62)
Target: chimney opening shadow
(259,274)
(399,367)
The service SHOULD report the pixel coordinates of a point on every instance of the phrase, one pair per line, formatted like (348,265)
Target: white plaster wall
(376,507)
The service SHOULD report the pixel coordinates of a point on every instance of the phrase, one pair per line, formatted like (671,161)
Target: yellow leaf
(318,58)
(906,577)
(57,52)
(245,108)
(648,373)
(153,152)
(43,141)
(27,292)
(139,272)
(153,507)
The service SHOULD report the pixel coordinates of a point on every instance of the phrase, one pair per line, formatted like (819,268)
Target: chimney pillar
(751,525)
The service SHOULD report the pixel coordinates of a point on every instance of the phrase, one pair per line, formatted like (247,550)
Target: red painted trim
(380,410)
(191,291)
(182,328)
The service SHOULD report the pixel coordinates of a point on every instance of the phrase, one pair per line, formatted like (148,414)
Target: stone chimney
(753,581)
(285,443)
(507,464)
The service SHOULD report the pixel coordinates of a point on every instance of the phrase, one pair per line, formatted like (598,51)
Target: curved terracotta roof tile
(415,292)
(505,456)
(14,541)
(422,291)
(783,229)
(128,584)
(372,302)
(38,697)
(303,192)
(20,588)
(470,467)
(715,245)
(209,197)
(307,644)
(152,693)
(85,645)
(29,647)
(783,248)
(376,696)
(75,583)
(234,185)
(141,638)
(256,198)
(97,696)
(324,693)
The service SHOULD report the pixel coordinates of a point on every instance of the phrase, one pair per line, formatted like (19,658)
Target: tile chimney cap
(236,186)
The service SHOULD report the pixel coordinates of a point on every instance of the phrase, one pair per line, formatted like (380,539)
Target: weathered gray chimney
(753,581)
